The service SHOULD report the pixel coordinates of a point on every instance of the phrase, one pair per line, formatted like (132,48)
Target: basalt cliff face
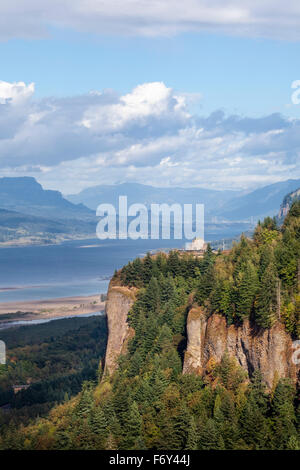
(119,301)
(270,350)
(287,202)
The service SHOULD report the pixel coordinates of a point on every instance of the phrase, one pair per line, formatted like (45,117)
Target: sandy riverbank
(39,309)
(41,241)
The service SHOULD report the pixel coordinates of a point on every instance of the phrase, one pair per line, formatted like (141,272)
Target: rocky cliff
(208,338)
(269,350)
(287,202)
(119,301)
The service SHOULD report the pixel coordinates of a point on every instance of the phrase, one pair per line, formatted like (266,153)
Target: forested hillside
(148,403)
(54,359)
(259,278)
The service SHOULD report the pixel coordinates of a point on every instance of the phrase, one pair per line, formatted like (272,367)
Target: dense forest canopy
(147,403)
(258,279)
(54,359)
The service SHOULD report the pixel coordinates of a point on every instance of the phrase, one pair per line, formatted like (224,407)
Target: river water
(71,269)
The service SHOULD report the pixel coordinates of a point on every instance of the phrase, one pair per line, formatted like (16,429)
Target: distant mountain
(225,205)
(16,226)
(26,195)
(32,214)
(27,210)
(144,194)
(259,203)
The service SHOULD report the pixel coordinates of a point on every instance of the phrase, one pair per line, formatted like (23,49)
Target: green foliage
(266,304)
(246,290)
(148,403)
(56,358)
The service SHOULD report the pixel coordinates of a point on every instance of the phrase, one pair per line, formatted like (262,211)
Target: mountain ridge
(26,195)
(29,214)
(223,205)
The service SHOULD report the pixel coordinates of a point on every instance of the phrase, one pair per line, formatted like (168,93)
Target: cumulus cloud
(148,101)
(147,135)
(16,92)
(268,18)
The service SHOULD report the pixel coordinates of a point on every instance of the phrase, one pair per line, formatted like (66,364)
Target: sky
(161,92)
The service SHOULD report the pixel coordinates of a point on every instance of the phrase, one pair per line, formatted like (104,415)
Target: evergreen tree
(254,428)
(210,438)
(135,364)
(86,401)
(151,298)
(192,437)
(147,268)
(283,416)
(206,285)
(132,427)
(257,392)
(266,304)
(168,289)
(246,288)
(98,426)
(222,299)
(173,263)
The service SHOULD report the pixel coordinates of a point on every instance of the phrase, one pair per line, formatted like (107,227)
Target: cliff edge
(269,350)
(119,301)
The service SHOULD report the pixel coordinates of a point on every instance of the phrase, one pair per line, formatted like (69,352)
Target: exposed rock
(269,350)
(196,326)
(287,202)
(119,301)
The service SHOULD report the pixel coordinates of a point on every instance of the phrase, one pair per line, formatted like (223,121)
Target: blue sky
(251,76)
(157,92)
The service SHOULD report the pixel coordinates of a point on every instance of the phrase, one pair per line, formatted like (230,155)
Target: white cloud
(145,101)
(16,92)
(267,18)
(147,135)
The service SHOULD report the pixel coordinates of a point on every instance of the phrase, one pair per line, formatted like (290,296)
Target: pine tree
(135,364)
(210,438)
(173,263)
(254,428)
(222,299)
(147,270)
(181,421)
(206,285)
(164,340)
(132,427)
(158,384)
(257,391)
(208,259)
(151,297)
(246,289)
(192,437)
(98,426)
(168,289)
(266,304)
(86,401)
(283,415)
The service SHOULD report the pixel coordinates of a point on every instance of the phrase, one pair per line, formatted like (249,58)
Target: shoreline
(25,242)
(49,308)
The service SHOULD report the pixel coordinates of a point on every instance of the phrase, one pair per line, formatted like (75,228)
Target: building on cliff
(197,244)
